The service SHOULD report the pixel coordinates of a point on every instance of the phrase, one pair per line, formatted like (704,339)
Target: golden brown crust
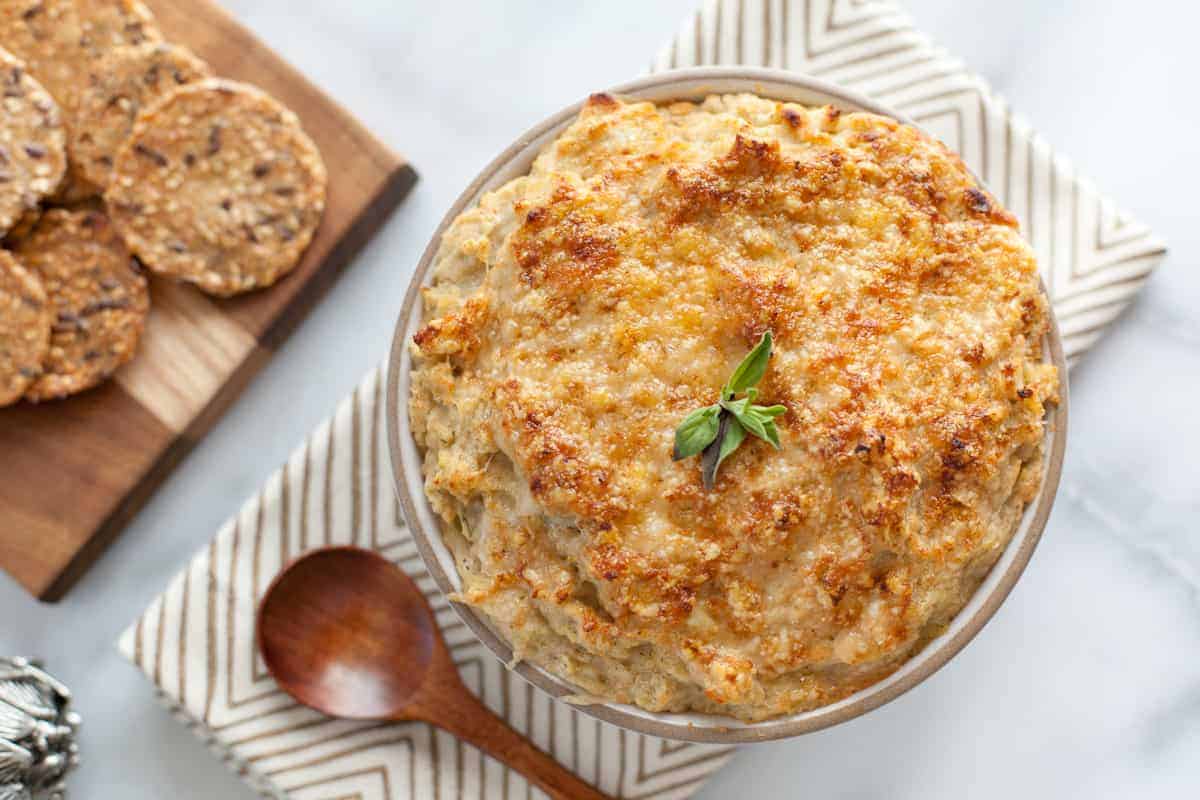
(118,87)
(218,185)
(99,297)
(580,313)
(25,319)
(33,155)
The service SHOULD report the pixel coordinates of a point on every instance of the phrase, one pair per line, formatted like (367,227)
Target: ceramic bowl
(692,84)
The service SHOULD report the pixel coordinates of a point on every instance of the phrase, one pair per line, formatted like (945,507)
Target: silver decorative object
(37,733)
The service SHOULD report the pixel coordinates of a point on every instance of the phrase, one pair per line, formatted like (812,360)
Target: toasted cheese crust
(577,314)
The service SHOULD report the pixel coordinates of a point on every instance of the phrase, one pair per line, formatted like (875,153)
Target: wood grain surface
(72,473)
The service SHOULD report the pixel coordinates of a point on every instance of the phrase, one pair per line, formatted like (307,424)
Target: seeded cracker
(219,186)
(75,189)
(118,86)
(33,154)
(60,40)
(99,296)
(25,319)
(22,227)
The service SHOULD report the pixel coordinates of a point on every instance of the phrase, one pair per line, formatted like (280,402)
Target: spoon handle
(473,722)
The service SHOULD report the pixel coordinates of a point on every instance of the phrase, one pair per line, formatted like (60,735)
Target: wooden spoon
(346,632)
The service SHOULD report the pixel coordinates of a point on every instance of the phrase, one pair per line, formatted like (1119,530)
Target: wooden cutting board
(72,473)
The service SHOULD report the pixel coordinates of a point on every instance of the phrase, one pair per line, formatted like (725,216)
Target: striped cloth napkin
(195,643)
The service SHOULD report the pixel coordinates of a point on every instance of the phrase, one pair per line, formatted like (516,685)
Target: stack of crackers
(122,154)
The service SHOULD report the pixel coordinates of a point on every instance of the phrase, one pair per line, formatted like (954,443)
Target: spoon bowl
(346,632)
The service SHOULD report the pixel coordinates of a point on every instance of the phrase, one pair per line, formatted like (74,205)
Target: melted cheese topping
(579,313)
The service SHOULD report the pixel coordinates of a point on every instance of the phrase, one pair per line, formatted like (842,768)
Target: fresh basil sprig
(716,431)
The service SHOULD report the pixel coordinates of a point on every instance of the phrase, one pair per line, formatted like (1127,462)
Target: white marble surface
(1087,683)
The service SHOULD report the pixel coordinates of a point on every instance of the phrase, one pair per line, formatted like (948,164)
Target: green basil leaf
(696,432)
(772,433)
(729,437)
(718,430)
(733,440)
(752,422)
(759,424)
(752,368)
(736,407)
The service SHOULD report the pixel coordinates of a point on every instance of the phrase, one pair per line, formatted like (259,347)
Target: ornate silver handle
(37,733)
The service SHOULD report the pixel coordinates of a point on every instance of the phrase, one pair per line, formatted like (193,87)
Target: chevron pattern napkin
(195,643)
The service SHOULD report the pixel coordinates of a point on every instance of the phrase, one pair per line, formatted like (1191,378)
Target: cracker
(99,297)
(118,86)
(22,227)
(75,188)
(25,319)
(33,156)
(60,40)
(218,185)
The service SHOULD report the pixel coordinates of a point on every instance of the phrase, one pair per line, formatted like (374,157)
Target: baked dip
(579,315)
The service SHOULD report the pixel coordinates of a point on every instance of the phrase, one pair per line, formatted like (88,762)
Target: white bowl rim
(690,84)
